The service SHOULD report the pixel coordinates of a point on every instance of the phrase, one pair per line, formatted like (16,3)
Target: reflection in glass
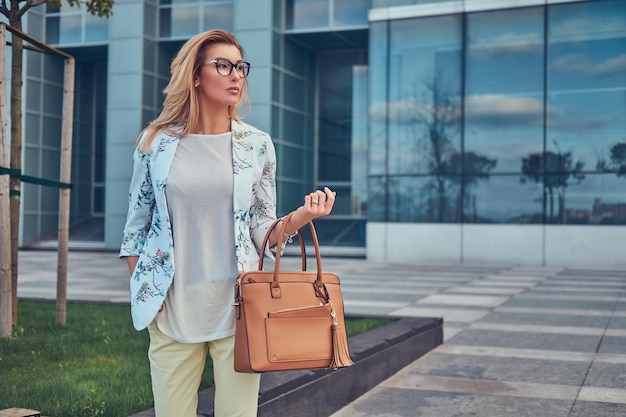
(503,199)
(52,30)
(377,114)
(218,16)
(432,199)
(179,22)
(351,13)
(504,85)
(96,29)
(586,83)
(586,72)
(556,171)
(424,95)
(306,14)
(529,148)
(70,28)
(599,199)
(376,193)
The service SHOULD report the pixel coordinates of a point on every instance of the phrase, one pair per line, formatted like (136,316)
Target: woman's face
(214,88)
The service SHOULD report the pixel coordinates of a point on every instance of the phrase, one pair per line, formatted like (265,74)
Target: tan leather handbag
(289,320)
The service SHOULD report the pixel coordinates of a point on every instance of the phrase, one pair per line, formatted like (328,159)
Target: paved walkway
(519,341)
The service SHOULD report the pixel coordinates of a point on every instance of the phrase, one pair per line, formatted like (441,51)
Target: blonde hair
(181,105)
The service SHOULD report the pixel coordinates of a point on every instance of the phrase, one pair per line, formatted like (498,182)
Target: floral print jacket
(148,231)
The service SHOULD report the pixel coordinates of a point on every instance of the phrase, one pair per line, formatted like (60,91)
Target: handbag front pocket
(292,339)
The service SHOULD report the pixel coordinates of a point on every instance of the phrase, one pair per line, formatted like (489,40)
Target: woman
(202,197)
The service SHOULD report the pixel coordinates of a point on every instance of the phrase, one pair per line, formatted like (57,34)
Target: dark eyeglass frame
(242,67)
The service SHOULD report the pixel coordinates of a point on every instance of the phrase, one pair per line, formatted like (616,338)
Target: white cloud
(582,64)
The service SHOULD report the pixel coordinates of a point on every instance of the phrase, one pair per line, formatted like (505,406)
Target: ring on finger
(314,202)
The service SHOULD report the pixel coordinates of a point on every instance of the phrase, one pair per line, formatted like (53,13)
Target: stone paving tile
(576,296)
(484,290)
(565,311)
(398,285)
(593,273)
(608,285)
(526,340)
(607,375)
(501,369)
(463,300)
(549,320)
(573,290)
(481,386)
(496,284)
(404,298)
(617,323)
(501,352)
(537,328)
(449,314)
(413,403)
(597,409)
(611,344)
(556,303)
(604,395)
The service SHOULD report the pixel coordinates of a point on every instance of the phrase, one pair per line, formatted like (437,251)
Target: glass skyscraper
(452,131)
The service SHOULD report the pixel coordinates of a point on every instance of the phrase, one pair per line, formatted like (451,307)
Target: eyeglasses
(225,67)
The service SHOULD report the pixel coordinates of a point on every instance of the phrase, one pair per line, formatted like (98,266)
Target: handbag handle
(319,284)
(279,244)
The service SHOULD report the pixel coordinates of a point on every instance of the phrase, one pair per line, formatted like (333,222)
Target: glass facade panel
(294,91)
(70,28)
(586,90)
(539,137)
(96,29)
(294,128)
(502,199)
(179,22)
(378,108)
(52,29)
(351,13)
(217,16)
(504,118)
(424,95)
(307,14)
(424,199)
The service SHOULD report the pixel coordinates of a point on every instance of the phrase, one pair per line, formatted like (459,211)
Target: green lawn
(96,365)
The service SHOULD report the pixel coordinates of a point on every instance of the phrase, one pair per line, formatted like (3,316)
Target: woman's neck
(212,122)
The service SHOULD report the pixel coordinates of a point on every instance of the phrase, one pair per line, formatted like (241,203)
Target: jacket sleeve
(263,210)
(140,206)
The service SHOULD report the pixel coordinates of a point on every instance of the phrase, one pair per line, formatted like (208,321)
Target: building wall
(497,132)
(535,245)
(493,130)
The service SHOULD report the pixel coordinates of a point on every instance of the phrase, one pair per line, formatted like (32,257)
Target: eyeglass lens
(225,67)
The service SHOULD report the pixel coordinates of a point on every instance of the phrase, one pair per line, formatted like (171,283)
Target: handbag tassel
(341,355)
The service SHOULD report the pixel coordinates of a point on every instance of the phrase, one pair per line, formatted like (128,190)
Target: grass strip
(96,365)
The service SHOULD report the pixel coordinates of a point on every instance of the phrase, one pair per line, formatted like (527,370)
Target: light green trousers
(176,370)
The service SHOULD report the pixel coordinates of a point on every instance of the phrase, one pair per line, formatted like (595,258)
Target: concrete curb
(377,354)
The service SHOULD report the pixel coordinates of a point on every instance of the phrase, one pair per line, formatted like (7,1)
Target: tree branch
(29,4)
(3,8)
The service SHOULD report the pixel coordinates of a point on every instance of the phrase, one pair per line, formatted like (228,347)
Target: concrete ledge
(377,354)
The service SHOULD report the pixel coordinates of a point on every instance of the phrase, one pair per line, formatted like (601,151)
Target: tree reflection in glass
(554,170)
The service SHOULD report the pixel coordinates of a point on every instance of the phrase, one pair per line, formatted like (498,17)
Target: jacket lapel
(242,167)
(163,157)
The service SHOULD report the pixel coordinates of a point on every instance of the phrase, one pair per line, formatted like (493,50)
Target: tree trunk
(16,145)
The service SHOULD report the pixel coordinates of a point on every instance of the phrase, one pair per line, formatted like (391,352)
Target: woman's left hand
(316,204)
